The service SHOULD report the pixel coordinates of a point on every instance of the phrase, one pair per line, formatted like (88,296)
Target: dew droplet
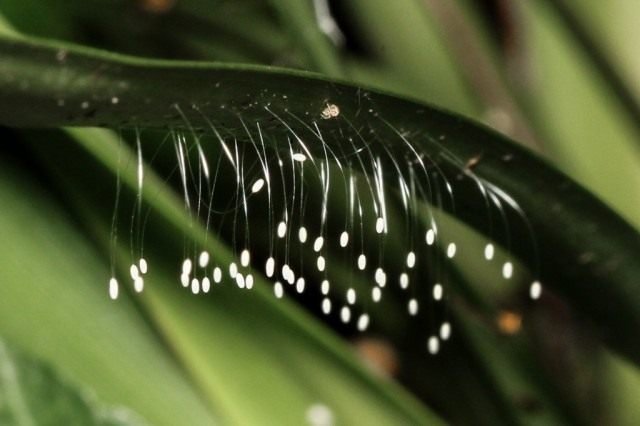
(379,225)
(345,314)
(299,157)
(535,291)
(404,280)
(489,251)
(507,270)
(217,275)
(138,284)
(319,415)
(451,250)
(248,281)
(445,331)
(288,274)
(133,271)
(344,239)
(317,244)
(430,237)
(412,307)
(433,345)
(437,292)
(245,258)
(362,262)
(376,294)
(351,296)
(203,259)
(206,285)
(113,289)
(187,266)
(240,280)
(270,267)
(282,229)
(184,280)
(326,306)
(363,322)
(324,287)
(278,290)
(195,286)
(257,186)
(302,234)
(380,277)
(233,270)
(320,263)
(144,267)
(300,283)
(411,260)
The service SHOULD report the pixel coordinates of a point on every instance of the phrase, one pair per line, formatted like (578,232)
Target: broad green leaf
(623,381)
(404,41)
(589,135)
(301,19)
(607,46)
(492,390)
(54,305)
(586,252)
(32,393)
(249,354)
(186,29)
(222,351)
(480,66)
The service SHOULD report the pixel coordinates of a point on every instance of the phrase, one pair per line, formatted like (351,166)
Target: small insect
(330,111)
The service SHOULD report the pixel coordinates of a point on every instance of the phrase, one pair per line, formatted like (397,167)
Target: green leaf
(405,41)
(298,17)
(32,393)
(586,252)
(237,352)
(600,60)
(54,305)
(588,132)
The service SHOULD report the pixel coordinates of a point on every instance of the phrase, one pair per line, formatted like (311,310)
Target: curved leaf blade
(586,252)
(32,393)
